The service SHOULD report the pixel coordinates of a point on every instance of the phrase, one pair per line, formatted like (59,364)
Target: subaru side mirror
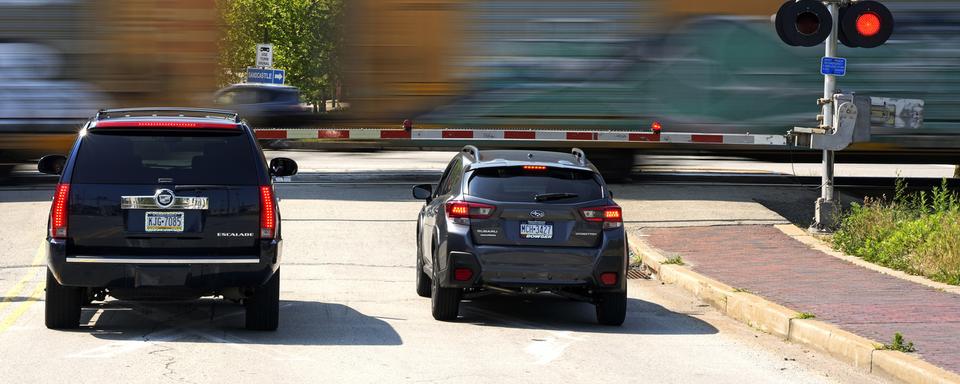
(423,192)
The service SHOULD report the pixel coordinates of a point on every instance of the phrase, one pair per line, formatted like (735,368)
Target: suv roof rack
(168,111)
(472,150)
(581,157)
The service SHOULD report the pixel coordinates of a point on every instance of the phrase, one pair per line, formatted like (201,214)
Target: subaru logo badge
(164,198)
(537,214)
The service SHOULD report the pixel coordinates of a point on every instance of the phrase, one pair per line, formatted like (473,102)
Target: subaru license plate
(163,222)
(536,230)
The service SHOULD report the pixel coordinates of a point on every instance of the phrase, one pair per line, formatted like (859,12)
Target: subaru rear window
(146,158)
(515,184)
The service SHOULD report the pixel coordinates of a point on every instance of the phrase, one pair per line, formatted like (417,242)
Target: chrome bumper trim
(149,202)
(142,260)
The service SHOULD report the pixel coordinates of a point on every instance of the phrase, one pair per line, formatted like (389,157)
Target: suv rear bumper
(120,271)
(540,267)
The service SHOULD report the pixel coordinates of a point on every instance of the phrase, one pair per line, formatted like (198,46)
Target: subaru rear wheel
(444,302)
(611,308)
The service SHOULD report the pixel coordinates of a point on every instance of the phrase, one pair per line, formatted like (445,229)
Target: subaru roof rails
(473,151)
(168,111)
(581,157)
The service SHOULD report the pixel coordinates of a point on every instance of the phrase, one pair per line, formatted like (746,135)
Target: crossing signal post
(808,23)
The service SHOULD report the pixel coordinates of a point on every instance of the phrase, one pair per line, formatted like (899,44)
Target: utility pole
(826,206)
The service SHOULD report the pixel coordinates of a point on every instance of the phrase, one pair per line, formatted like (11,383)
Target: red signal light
(868,24)
(656,127)
(865,24)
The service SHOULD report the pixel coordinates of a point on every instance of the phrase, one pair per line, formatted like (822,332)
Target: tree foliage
(306,37)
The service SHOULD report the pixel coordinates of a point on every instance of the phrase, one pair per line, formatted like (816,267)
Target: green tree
(306,36)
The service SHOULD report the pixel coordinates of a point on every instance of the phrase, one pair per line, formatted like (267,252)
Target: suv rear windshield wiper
(554,196)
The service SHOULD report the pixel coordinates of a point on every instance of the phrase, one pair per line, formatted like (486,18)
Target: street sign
(266,75)
(836,66)
(264,55)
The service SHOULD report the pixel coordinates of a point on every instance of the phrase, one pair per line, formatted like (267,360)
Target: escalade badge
(537,214)
(164,198)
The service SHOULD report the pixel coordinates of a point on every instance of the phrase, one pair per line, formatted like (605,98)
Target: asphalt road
(349,312)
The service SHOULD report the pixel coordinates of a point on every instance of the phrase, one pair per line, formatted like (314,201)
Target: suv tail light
(461,212)
(611,216)
(268,213)
(58,212)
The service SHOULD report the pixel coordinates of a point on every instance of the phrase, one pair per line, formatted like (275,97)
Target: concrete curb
(783,322)
(802,236)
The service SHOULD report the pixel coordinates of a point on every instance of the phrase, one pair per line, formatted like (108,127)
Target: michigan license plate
(163,222)
(536,230)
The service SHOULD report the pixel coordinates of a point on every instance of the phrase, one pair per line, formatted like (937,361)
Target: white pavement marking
(550,348)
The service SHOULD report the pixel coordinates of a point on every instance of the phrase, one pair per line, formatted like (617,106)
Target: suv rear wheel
(62,307)
(263,307)
(611,308)
(423,281)
(444,302)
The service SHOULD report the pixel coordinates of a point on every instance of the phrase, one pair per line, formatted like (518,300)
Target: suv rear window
(514,184)
(144,158)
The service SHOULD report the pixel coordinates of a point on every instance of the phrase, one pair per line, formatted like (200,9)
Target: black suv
(164,203)
(519,222)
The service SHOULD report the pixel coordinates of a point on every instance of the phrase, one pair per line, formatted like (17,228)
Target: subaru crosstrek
(521,222)
(164,203)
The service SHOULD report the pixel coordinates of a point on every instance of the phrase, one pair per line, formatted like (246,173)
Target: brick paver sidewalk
(771,264)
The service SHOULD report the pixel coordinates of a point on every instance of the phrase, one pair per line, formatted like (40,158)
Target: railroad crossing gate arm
(855,116)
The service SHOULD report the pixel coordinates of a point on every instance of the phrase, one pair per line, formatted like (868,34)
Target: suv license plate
(536,230)
(163,222)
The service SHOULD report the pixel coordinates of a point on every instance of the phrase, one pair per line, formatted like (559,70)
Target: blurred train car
(62,60)
(619,65)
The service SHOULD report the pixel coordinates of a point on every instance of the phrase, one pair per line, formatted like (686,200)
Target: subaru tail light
(611,216)
(461,212)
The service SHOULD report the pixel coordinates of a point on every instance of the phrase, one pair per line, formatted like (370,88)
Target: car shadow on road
(559,314)
(42,194)
(220,321)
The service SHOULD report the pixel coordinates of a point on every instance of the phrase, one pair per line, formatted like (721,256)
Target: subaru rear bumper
(540,267)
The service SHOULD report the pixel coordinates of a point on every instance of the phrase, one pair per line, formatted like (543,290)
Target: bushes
(918,233)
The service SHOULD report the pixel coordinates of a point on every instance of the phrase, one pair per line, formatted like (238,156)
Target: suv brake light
(58,212)
(268,213)
(461,212)
(611,216)
(164,124)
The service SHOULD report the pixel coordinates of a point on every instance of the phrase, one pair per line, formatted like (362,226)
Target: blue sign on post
(836,66)
(266,75)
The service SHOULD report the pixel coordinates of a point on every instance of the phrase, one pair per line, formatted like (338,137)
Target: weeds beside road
(918,233)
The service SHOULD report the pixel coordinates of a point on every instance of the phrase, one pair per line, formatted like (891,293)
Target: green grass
(676,260)
(918,233)
(805,315)
(899,344)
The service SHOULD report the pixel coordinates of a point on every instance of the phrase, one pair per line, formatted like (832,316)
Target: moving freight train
(567,65)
